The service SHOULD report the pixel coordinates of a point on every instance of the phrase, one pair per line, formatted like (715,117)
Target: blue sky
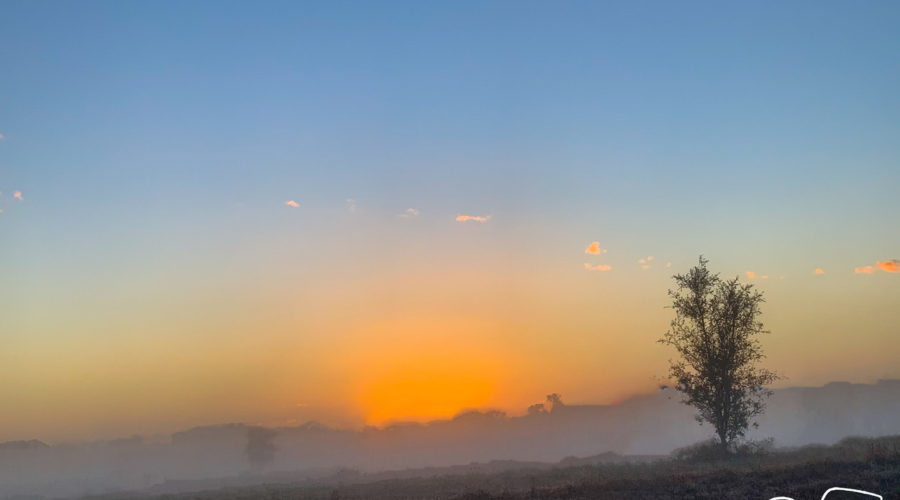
(155,144)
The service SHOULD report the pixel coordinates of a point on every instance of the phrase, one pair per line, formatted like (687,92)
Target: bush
(711,451)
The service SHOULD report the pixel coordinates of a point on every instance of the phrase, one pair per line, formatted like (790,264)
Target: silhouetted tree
(536,409)
(260,449)
(715,332)
(554,401)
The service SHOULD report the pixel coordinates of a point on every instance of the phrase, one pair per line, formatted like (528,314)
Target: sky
(363,212)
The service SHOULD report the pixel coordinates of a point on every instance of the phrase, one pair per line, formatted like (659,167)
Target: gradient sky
(154,278)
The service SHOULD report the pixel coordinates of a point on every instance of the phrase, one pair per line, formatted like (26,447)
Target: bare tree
(715,332)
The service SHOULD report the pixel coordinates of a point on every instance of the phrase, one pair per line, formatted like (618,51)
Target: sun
(424,391)
(423,370)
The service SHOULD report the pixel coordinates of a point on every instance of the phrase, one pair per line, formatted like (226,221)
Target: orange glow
(424,392)
(425,368)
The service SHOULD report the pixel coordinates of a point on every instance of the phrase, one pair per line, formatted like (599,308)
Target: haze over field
(366,213)
(641,429)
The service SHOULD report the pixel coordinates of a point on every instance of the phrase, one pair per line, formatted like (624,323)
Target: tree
(554,401)
(260,450)
(716,333)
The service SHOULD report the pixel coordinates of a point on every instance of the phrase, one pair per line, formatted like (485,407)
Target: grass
(756,471)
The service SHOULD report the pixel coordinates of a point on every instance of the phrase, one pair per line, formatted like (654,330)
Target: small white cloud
(410,212)
(18,195)
(668,264)
(599,267)
(292,203)
(645,262)
(351,204)
(475,218)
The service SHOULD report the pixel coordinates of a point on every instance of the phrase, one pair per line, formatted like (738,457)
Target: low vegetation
(755,470)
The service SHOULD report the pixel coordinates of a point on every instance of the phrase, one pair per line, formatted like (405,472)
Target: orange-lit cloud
(476,218)
(292,203)
(753,275)
(819,270)
(864,270)
(594,248)
(18,195)
(889,266)
(599,267)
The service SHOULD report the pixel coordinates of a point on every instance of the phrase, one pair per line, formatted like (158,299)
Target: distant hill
(651,424)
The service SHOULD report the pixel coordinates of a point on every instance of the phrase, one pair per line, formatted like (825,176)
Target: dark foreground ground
(868,464)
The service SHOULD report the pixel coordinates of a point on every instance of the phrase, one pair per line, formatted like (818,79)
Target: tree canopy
(716,333)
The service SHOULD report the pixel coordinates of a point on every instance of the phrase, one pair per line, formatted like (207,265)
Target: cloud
(476,218)
(292,203)
(754,275)
(2,137)
(668,264)
(889,266)
(599,267)
(819,270)
(410,212)
(351,204)
(645,262)
(594,248)
(18,195)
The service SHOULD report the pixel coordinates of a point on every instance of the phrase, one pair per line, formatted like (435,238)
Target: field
(755,472)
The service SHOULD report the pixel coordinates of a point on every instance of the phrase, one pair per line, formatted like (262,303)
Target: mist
(643,427)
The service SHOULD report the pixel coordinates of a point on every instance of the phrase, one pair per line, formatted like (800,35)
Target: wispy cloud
(410,212)
(889,266)
(668,264)
(475,218)
(2,137)
(599,267)
(819,270)
(754,275)
(351,204)
(645,262)
(292,203)
(594,248)
(18,195)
